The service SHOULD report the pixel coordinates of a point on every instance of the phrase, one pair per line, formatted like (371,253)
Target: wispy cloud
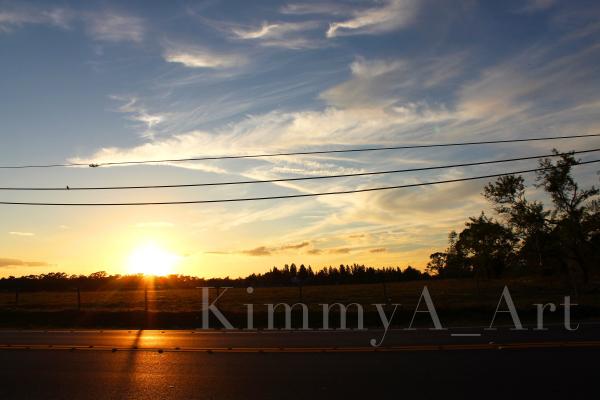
(294,246)
(16,17)
(265,30)
(104,26)
(280,34)
(201,57)
(17,233)
(114,27)
(364,109)
(138,113)
(13,262)
(167,148)
(261,251)
(372,84)
(316,8)
(341,250)
(527,87)
(241,216)
(384,82)
(394,14)
(258,251)
(266,251)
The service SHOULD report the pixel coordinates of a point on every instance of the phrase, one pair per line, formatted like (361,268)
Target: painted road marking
(210,350)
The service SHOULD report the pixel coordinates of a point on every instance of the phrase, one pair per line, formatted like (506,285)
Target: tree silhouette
(530,238)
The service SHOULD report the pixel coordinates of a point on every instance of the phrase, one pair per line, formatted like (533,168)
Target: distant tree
(98,275)
(411,273)
(437,263)
(302,273)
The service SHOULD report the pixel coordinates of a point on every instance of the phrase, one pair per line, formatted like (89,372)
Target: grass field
(446,294)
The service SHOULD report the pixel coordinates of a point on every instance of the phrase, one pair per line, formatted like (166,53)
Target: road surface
(298,365)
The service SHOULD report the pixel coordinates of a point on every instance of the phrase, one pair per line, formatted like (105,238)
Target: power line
(266,155)
(306,178)
(293,196)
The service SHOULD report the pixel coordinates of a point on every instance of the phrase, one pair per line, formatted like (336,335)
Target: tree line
(288,275)
(529,237)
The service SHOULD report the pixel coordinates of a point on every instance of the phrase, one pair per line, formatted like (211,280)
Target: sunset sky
(101,81)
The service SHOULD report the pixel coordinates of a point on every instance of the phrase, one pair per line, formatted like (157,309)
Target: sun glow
(151,259)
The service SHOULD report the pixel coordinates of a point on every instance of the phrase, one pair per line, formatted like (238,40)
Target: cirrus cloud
(201,57)
(393,15)
(291,35)
(16,17)
(115,27)
(14,262)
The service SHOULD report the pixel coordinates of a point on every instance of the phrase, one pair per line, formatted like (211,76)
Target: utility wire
(293,196)
(232,157)
(306,178)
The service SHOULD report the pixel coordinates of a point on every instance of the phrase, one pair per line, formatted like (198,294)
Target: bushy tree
(574,217)
(488,246)
(527,219)
(565,237)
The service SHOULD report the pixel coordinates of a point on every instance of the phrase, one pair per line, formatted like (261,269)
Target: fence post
(78,299)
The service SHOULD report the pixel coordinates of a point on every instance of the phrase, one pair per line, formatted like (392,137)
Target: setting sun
(151,259)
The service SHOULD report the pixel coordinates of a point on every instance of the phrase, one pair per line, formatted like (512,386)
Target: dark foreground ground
(458,363)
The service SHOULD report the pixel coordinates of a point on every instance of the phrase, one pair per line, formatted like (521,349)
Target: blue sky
(111,81)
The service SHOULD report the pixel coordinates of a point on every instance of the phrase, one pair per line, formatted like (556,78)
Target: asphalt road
(298,365)
(236,339)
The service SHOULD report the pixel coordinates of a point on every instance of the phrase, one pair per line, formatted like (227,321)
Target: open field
(447,294)
(458,301)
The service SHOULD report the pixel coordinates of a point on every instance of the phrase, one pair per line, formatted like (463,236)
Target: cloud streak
(12,18)
(102,26)
(291,35)
(201,57)
(262,251)
(14,262)
(393,15)
(115,27)
(138,113)
(258,252)
(267,251)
